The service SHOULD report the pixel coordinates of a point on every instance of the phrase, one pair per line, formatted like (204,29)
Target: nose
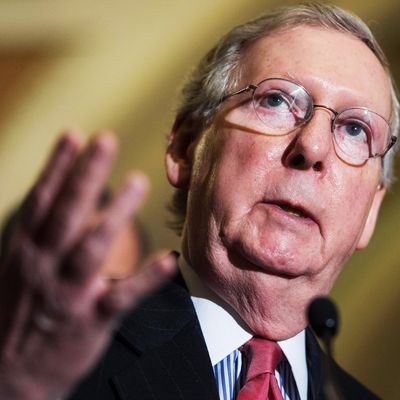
(312,143)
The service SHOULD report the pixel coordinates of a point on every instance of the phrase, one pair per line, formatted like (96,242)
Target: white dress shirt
(216,320)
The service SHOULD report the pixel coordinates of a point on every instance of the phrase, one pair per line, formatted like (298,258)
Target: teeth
(291,210)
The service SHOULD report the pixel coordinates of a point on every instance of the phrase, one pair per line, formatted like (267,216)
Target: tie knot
(262,356)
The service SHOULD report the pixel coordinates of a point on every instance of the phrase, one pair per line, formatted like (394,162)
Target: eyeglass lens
(281,106)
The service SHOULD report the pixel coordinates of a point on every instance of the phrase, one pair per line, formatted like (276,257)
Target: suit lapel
(173,361)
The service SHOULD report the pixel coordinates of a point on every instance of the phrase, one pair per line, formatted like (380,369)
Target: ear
(371,219)
(178,160)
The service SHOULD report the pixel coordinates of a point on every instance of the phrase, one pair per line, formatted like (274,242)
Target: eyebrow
(297,79)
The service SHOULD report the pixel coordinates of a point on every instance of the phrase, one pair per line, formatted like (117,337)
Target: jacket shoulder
(349,387)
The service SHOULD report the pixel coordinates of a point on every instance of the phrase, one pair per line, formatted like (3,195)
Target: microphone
(324,320)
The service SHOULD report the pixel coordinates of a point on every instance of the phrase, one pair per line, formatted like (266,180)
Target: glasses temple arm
(246,89)
(393,140)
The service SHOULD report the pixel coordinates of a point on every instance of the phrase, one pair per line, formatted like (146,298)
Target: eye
(356,130)
(276,100)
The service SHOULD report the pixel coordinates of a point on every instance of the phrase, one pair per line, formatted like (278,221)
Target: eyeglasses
(280,106)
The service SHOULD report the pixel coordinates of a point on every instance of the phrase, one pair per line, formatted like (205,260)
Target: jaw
(269,304)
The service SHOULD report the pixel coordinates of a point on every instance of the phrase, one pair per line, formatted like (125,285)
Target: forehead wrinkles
(333,61)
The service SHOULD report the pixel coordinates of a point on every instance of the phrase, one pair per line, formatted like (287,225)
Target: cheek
(244,165)
(229,177)
(350,197)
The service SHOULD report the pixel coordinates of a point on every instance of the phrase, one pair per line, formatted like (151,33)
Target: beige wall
(117,65)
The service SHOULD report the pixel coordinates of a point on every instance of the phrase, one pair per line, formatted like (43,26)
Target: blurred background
(119,65)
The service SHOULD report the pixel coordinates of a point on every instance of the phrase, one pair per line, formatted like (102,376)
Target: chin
(280,257)
(270,264)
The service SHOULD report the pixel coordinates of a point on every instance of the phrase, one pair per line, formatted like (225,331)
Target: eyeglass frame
(253,87)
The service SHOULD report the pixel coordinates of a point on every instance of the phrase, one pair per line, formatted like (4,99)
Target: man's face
(241,235)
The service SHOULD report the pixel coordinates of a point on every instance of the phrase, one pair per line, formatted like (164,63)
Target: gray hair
(218,73)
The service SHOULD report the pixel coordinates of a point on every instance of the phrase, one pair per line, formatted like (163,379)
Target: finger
(79,196)
(87,258)
(39,200)
(127,292)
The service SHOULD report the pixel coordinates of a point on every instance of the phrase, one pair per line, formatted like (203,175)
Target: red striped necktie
(262,357)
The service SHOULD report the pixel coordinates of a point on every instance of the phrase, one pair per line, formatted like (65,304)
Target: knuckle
(56,229)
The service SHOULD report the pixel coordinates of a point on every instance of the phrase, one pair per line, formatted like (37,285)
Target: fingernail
(138,182)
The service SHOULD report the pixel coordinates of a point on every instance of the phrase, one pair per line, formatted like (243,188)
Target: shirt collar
(215,321)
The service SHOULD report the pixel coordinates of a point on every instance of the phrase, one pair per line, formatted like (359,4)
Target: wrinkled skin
(57,310)
(262,260)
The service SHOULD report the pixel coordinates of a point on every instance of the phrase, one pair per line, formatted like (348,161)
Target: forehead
(336,68)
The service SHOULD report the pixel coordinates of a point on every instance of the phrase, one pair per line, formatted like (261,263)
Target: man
(281,155)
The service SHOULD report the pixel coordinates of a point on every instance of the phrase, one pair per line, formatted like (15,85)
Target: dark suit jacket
(159,353)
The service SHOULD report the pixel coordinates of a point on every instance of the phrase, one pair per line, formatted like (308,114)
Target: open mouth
(298,212)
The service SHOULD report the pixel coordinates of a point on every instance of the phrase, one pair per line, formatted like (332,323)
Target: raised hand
(57,311)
